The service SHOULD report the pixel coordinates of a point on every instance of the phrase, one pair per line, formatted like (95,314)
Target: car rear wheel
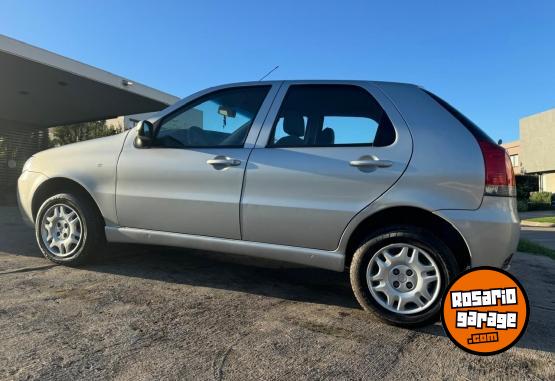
(68,229)
(400,273)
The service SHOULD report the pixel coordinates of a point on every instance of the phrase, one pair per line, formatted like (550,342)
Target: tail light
(500,179)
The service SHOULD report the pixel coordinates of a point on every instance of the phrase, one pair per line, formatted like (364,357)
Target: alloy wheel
(61,230)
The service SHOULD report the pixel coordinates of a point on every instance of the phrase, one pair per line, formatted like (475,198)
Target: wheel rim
(403,278)
(61,230)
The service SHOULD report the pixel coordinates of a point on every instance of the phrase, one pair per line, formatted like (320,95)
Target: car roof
(276,82)
(313,81)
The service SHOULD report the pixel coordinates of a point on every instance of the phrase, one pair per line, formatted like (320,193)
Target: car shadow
(228,272)
(273,279)
(196,268)
(259,277)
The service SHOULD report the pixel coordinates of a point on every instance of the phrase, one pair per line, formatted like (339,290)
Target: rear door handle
(223,161)
(371,163)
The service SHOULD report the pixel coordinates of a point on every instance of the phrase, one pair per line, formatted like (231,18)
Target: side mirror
(145,134)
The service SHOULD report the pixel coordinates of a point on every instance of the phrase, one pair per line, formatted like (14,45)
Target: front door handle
(223,161)
(371,162)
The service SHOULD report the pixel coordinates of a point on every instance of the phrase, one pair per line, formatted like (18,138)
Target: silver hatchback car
(385,180)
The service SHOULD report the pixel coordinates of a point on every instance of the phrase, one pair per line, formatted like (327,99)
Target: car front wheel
(400,273)
(69,229)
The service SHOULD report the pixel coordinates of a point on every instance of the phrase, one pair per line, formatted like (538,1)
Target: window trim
(271,136)
(199,100)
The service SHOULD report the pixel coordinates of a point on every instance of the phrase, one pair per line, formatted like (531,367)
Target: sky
(493,60)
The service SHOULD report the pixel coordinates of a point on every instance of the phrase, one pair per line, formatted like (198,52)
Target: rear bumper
(507,262)
(491,232)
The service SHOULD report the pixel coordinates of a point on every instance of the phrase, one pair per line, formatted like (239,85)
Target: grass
(533,248)
(548,219)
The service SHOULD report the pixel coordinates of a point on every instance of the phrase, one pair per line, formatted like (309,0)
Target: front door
(326,153)
(190,180)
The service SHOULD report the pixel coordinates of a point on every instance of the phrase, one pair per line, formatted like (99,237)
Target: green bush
(522,205)
(540,197)
(539,200)
(525,184)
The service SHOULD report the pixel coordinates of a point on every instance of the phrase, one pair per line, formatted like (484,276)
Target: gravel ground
(156,313)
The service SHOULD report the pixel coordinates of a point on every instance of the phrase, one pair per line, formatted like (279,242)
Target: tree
(72,133)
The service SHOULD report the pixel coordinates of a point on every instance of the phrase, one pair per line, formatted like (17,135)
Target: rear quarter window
(476,131)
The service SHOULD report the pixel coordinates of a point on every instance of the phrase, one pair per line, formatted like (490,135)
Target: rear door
(326,151)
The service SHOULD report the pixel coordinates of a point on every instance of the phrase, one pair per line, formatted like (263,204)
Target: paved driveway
(159,313)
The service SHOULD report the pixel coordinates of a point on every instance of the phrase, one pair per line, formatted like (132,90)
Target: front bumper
(27,184)
(491,232)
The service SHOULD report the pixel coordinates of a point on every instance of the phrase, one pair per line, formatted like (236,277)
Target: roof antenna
(268,73)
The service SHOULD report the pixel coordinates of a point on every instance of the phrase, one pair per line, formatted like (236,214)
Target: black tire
(93,238)
(415,236)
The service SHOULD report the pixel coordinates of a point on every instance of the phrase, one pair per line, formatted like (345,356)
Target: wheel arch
(56,185)
(415,216)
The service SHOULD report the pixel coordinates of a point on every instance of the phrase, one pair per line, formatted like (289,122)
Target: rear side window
(476,131)
(330,115)
(279,131)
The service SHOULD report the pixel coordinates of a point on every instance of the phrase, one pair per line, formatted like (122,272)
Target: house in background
(513,149)
(534,153)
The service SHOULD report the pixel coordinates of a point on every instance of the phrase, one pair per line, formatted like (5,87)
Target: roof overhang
(45,89)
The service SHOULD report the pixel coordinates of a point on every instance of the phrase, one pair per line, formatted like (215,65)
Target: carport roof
(45,89)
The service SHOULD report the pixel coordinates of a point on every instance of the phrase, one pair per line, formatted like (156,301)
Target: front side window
(220,119)
(331,115)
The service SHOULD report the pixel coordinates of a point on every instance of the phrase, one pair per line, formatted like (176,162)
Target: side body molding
(330,260)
